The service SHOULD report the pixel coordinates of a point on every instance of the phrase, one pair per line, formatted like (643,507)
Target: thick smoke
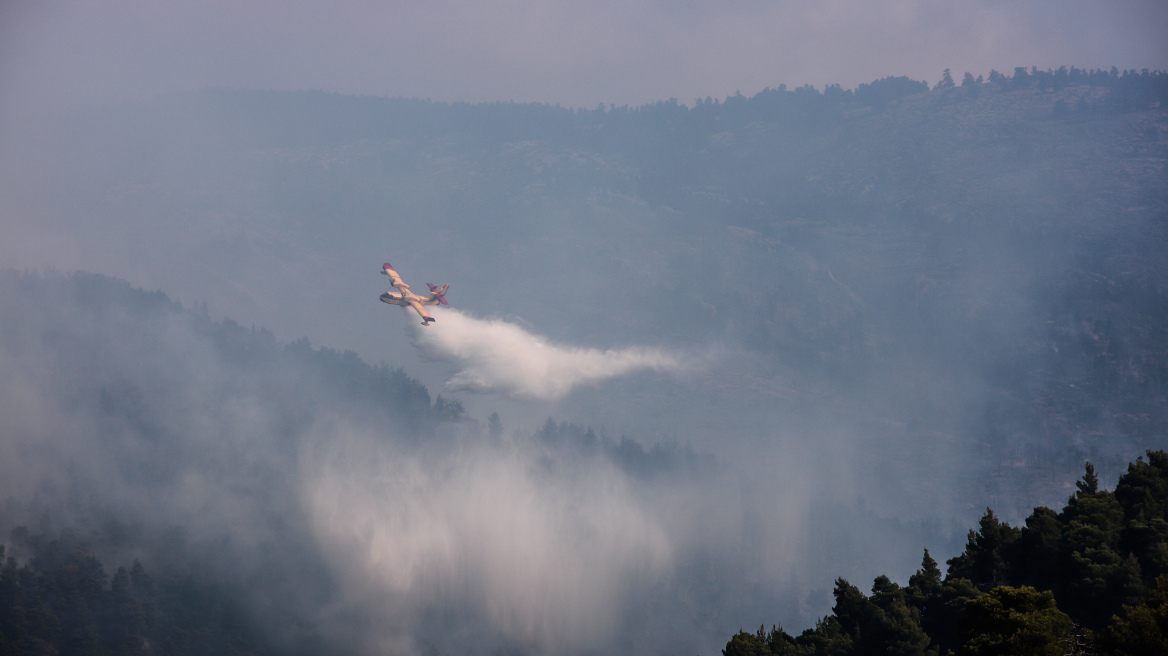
(494,355)
(545,560)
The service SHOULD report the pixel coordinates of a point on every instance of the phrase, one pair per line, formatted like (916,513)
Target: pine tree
(985,560)
(946,82)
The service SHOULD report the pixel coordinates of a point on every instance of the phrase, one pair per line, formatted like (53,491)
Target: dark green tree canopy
(1093,569)
(1014,622)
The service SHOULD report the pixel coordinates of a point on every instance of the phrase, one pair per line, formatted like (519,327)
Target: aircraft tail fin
(439,292)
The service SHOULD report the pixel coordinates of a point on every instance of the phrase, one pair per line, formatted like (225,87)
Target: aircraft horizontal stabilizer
(439,292)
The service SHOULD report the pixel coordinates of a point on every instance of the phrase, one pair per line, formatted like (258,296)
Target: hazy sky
(575,53)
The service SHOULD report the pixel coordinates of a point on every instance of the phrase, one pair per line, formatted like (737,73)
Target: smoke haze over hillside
(909,304)
(701,358)
(337,494)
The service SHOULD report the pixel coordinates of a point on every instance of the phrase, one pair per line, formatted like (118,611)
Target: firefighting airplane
(406,297)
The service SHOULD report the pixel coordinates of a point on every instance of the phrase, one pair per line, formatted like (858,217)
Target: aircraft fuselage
(404,297)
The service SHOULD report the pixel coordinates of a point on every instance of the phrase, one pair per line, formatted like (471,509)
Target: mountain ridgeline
(307,118)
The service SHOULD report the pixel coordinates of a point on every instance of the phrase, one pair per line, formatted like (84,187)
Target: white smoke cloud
(547,561)
(498,356)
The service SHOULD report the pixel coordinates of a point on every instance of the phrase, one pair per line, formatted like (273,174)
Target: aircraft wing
(426,318)
(395,279)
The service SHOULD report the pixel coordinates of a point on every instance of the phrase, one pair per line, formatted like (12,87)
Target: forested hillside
(1092,578)
(978,265)
(1088,579)
(176,484)
(156,452)
(895,305)
(64,601)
